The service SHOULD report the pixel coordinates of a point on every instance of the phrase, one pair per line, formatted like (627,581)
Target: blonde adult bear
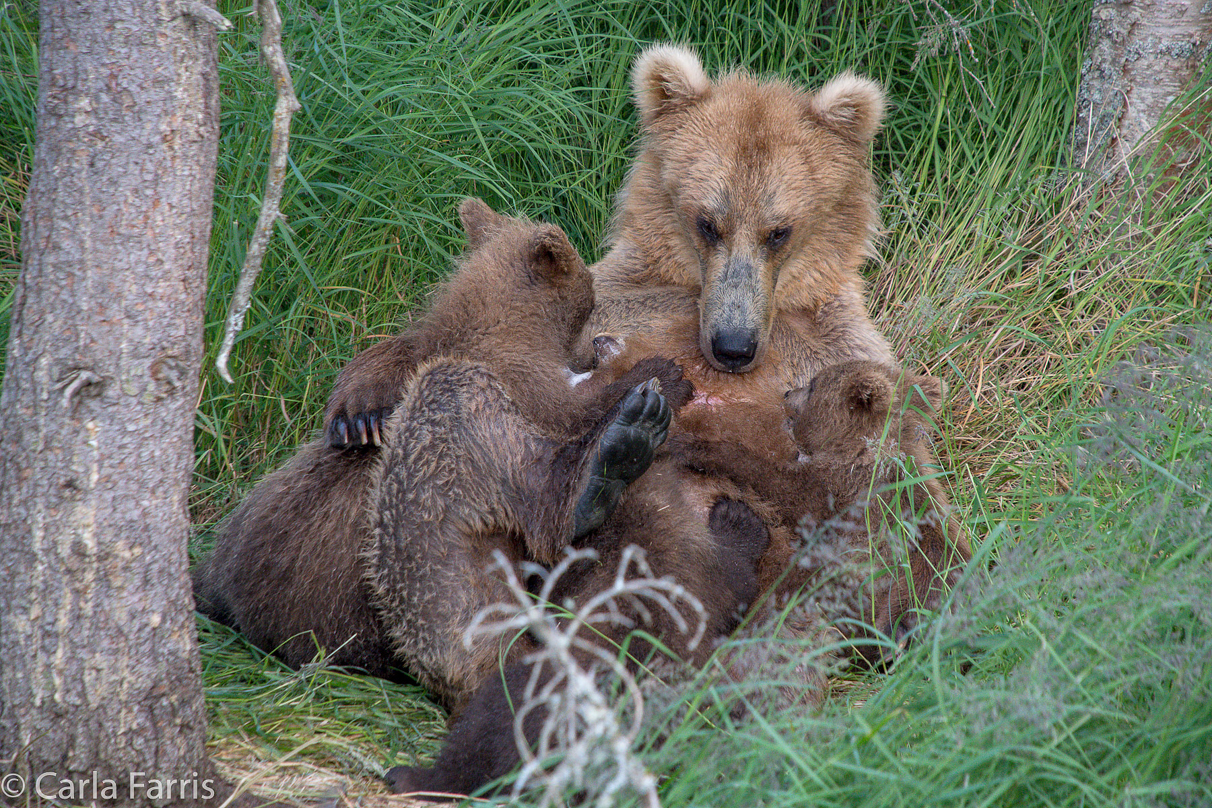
(739,236)
(736,247)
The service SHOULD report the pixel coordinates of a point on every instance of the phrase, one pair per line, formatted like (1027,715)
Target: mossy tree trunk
(1142,55)
(99,671)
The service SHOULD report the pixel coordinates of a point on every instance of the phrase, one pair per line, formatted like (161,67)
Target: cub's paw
(407,779)
(416,781)
(626,447)
(400,779)
(351,431)
(624,451)
(741,538)
(675,387)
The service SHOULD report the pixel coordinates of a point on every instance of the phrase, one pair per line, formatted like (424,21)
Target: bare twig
(286,106)
(583,723)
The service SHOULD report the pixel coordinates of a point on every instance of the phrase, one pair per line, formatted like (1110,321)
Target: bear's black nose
(734,349)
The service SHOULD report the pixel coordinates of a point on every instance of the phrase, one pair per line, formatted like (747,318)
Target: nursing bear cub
(503,440)
(865,481)
(862,481)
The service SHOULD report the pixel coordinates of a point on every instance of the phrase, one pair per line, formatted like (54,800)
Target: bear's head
(521,292)
(756,192)
(850,408)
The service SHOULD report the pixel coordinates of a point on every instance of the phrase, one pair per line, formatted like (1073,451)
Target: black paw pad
(624,451)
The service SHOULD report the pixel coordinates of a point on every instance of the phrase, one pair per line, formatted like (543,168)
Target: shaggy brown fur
(864,478)
(467,464)
(719,570)
(284,567)
(693,528)
(532,459)
(464,472)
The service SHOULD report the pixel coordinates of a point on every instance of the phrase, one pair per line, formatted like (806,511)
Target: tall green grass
(1076,670)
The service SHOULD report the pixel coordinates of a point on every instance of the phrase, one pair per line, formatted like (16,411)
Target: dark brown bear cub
(715,562)
(500,442)
(863,479)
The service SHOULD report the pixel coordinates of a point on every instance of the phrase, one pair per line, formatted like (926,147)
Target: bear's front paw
(351,431)
(399,779)
(741,538)
(624,451)
(420,784)
(675,387)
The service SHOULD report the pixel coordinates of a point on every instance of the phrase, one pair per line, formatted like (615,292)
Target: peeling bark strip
(1142,55)
(284,108)
(99,669)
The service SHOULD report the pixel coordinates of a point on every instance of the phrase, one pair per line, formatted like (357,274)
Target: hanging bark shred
(286,105)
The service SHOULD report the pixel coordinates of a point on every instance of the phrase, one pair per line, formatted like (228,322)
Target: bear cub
(482,746)
(502,440)
(863,480)
(505,450)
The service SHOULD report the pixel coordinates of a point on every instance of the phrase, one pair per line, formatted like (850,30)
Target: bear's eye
(777,237)
(708,230)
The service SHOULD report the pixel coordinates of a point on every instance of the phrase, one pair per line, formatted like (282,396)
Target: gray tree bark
(1142,55)
(99,671)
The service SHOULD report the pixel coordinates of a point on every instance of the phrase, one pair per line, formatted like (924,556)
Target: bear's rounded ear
(930,388)
(667,79)
(479,220)
(550,255)
(850,105)
(869,393)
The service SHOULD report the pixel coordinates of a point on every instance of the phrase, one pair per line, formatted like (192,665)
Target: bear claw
(355,431)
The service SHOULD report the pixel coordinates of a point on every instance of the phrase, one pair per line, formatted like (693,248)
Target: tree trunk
(100,689)
(1142,55)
